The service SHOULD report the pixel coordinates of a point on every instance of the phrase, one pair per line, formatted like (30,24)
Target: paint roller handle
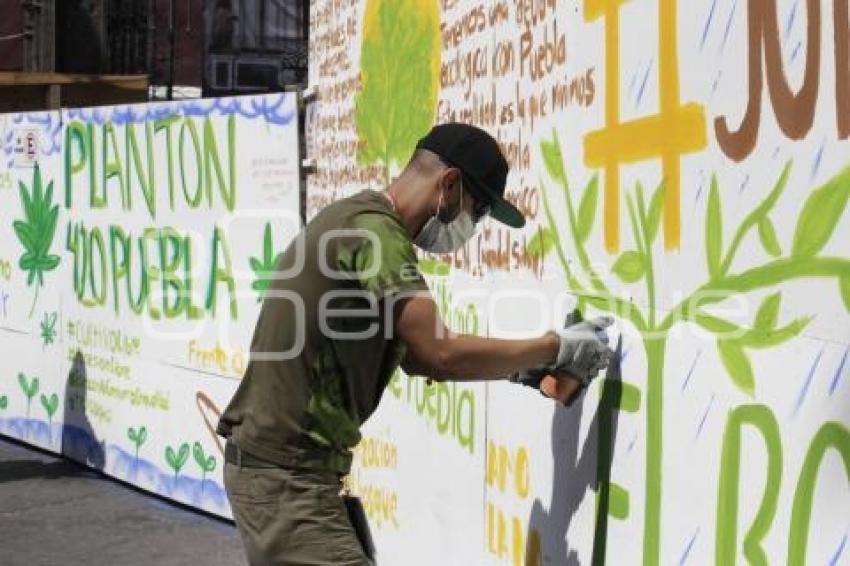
(559,385)
(564,388)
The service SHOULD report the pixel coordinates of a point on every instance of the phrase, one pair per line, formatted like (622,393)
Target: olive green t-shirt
(324,348)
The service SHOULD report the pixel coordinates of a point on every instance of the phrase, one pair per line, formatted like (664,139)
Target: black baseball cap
(482,164)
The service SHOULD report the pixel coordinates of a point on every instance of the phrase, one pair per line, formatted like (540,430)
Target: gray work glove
(583,353)
(584,350)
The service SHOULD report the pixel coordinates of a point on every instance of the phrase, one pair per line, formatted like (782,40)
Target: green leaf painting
(206,463)
(716,325)
(36,232)
(656,207)
(264,267)
(768,313)
(844,288)
(713,230)
(137,437)
(738,365)
(767,338)
(759,217)
(540,243)
(29,387)
(177,459)
(587,209)
(820,216)
(50,404)
(767,235)
(629,267)
(400,61)
(4,402)
(553,159)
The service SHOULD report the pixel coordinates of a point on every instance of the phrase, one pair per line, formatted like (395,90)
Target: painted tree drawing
(803,258)
(399,69)
(36,232)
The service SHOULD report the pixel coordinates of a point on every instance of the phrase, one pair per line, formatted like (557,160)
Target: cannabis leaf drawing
(399,68)
(48,328)
(264,268)
(36,232)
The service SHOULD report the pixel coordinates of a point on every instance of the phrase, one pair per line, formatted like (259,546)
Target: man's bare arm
(438,353)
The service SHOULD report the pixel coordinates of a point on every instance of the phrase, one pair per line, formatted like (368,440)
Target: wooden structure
(26,92)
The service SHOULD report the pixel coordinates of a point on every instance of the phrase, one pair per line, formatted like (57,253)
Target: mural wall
(135,245)
(683,167)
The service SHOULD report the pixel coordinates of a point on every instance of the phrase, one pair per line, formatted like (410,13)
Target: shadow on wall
(78,439)
(576,469)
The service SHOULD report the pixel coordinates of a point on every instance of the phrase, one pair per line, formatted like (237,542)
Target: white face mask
(441,237)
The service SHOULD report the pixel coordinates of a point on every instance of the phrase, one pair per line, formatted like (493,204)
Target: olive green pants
(292,517)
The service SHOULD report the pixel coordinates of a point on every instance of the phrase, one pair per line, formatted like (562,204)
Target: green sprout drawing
(177,459)
(206,463)
(30,388)
(265,268)
(397,101)
(50,405)
(816,223)
(4,402)
(48,328)
(36,232)
(138,438)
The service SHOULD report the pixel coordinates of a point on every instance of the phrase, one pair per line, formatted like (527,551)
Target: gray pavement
(53,511)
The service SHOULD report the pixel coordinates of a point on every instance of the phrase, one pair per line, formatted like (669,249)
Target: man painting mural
(347,307)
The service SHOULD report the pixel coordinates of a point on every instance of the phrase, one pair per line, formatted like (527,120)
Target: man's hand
(584,350)
(583,353)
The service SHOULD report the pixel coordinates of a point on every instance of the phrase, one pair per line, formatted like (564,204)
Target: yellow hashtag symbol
(675,130)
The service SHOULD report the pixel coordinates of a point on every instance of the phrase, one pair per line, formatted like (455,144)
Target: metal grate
(265,39)
(127,31)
